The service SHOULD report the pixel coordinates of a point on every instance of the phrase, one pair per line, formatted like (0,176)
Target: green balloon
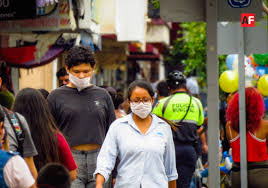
(261,59)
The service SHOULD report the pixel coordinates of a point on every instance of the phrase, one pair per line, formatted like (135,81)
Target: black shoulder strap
(165,104)
(19,137)
(167,101)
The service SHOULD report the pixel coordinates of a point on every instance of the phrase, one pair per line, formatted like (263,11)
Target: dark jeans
(185,161)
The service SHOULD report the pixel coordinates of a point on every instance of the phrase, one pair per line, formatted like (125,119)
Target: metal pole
(213,94)
(242,113)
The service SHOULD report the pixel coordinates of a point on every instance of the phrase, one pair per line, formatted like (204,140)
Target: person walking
(186,112)
(19,135)
(142,142)
(83,112)
(257,135)
(50,143)
(14,171)
(63,77)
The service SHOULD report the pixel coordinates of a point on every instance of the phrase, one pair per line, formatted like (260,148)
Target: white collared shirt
(145,160)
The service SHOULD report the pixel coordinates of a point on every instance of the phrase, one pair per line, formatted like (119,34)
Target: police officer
(186,112)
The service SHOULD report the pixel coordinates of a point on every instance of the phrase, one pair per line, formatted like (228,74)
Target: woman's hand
(99,181)
(99,186)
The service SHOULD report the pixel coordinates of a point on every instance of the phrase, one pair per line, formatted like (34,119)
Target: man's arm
(203,140)
(30,163)
(110,112)
(73,174)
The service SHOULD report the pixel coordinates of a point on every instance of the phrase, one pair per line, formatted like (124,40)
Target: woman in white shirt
(142,142)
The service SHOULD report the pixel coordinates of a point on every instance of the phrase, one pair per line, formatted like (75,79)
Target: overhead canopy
(24,57)
(151,53)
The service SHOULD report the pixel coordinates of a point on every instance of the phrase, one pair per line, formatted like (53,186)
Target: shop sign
(54,20)
(17,9)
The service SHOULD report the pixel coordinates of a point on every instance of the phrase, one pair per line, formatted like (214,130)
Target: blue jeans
(86,163)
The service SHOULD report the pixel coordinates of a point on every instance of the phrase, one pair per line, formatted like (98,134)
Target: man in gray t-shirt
(83,113)
(29,150)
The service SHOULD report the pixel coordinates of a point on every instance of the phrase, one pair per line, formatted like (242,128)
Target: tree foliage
(190,50)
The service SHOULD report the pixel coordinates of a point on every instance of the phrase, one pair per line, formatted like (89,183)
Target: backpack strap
(19,135)
(165,104)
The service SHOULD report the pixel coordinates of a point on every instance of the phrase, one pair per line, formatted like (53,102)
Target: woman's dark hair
(79,55)
(116,98)
(33,106)
(119,99)
(142,84)
(44,92)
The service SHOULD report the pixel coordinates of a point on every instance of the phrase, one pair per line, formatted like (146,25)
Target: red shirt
(256,148)
(66,156)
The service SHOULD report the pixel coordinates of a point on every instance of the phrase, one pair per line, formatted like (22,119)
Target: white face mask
(79,83)
(140,109)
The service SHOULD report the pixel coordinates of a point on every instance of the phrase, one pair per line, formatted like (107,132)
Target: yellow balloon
(229,81)
(263,85)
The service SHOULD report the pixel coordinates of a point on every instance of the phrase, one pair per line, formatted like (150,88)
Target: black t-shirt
(83,117)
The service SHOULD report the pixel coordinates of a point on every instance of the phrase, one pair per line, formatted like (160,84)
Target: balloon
(261,70)
(265,100)
(235,63)
(230,60)
(252,61)
(229,81)
(263,85)
(261,59)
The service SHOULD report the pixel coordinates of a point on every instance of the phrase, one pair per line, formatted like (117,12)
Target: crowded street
(133,94)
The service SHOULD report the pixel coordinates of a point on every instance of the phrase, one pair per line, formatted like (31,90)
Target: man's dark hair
(162,88)
(3,73)
(61,72)
(116,98)
(53,175)
(79,55)
(142,84)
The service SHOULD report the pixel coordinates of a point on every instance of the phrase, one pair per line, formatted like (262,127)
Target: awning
(24,56)
(151,53)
